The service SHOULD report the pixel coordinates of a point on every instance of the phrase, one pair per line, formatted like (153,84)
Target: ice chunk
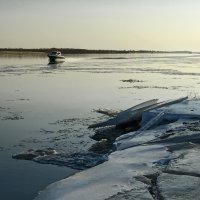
(148,125)
(188,164)
(108,179)
(108,112)
(130,114)
(78,161)
(31,154)
(135,113)
(176,187)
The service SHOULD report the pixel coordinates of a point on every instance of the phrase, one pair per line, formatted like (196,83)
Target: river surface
(51,106)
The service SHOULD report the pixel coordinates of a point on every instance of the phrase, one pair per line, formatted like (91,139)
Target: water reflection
(55,65)
(56,62)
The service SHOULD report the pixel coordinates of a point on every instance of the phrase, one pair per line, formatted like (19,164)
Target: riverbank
(80,51)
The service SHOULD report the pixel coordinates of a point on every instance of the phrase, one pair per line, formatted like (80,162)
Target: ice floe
(158,161)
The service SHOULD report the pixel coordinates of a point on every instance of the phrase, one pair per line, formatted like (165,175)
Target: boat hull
(55,59)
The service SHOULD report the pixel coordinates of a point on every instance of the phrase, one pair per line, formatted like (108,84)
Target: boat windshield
(55,53)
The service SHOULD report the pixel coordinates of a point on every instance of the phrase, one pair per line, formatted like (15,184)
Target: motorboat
(55,56)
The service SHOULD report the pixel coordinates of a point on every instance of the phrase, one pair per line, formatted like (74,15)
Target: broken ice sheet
(117,177)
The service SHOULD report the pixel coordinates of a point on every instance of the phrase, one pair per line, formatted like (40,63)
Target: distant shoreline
(82,51)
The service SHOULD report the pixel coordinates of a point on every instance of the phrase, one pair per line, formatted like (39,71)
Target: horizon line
(103,50)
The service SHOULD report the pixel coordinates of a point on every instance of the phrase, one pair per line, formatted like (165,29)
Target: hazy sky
(101,24)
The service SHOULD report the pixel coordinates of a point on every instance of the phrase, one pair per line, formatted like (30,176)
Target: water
(45,105)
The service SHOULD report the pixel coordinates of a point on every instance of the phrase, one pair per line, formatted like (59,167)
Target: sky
(101,24)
